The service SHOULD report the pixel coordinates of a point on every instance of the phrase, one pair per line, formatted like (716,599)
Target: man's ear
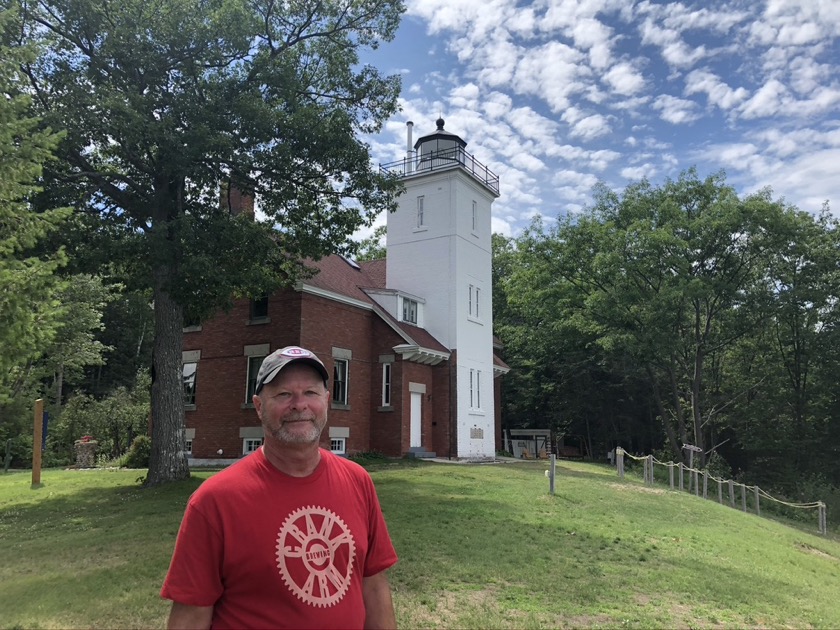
(257,405)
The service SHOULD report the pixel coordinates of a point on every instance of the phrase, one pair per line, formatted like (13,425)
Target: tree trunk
(59,386)
(168,461)
(676,448)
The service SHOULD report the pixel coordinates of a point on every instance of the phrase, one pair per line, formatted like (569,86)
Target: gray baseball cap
(279,359)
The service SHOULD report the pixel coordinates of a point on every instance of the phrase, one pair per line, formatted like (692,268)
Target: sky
(557,95)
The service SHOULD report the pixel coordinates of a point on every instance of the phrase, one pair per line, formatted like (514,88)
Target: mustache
(298,417)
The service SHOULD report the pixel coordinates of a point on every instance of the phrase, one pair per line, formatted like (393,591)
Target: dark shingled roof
(337,275)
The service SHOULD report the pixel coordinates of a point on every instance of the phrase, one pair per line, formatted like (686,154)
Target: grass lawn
(481,546)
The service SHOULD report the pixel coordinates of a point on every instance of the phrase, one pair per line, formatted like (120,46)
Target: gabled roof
(337,277)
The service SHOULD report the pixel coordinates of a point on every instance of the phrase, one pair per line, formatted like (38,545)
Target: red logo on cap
(296,352)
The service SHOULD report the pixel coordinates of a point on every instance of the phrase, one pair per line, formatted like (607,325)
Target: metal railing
(441,160)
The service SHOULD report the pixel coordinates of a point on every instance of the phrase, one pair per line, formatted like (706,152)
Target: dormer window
(409,311)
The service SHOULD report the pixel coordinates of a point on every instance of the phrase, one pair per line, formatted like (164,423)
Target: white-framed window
(421,219)
(254,364)
(475,389)
(386,384)
(341,369)
(474,215)
(249,445)
(188,447)
(338,446)
(474,302)
(188,376)
(409,311)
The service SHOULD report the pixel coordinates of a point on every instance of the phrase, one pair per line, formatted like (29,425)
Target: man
(289,536)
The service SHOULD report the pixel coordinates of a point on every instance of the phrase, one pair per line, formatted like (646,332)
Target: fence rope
(649,461)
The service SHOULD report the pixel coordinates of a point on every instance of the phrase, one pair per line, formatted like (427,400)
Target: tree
(29,310)
(76,347)
(371,248)
(164,101)
(662,281)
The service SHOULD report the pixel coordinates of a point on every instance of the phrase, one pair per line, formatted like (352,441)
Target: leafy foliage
(29,307)
(139,453)
(114,421)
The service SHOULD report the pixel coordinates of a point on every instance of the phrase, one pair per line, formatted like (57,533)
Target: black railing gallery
(440,160)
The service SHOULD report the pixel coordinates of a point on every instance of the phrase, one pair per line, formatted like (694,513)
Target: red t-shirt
(267,550)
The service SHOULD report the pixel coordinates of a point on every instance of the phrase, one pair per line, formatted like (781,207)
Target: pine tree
(28,283)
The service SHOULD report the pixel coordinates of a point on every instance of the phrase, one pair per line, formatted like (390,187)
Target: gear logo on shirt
(315,553)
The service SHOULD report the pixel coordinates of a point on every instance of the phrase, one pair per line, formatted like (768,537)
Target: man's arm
(379,609)
(183,617)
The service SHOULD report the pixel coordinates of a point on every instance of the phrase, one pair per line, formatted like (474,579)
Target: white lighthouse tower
(439,258)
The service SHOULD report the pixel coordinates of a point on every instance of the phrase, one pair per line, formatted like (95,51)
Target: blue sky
(556,95)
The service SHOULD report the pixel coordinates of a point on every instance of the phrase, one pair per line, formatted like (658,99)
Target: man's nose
(299,401)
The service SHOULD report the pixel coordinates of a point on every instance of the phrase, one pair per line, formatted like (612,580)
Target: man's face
(293,406)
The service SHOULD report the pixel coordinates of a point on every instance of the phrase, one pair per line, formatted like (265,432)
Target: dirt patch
(806,548)
(632,487)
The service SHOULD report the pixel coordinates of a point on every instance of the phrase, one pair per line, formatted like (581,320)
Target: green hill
(481,546)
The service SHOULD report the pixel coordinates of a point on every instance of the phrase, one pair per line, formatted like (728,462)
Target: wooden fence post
(551,476)
(720,491)
(650,470)
(705,484)
(744,496)
(671,474)
(696,483)
(681,476)
(757,506)
(821,517)
(37,437)
(732,493)
(619,460)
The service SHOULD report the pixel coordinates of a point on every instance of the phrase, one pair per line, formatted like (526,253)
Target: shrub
(139,453)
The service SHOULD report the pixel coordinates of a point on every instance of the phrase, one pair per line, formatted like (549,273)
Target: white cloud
(499,62)
(574,186)
(676,111)
(553,72)
(530,124)
(496,104)
(593,36)
(624,79)
(674,50)
(527,162)
(717,91)
(465,96)
(769,100)
(635,173)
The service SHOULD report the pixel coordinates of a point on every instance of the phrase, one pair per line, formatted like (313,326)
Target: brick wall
(221,408)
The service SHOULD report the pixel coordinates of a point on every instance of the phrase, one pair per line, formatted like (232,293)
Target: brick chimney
(235,200)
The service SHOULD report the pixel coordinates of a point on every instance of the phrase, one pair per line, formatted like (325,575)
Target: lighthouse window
(473,302)
(474,216)
(420,217)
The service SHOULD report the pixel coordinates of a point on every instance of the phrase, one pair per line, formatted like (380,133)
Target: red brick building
(396,388)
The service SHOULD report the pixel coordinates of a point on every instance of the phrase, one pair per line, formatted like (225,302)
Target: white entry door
(416,415)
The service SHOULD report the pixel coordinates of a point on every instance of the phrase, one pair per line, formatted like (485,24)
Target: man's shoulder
(347,465)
